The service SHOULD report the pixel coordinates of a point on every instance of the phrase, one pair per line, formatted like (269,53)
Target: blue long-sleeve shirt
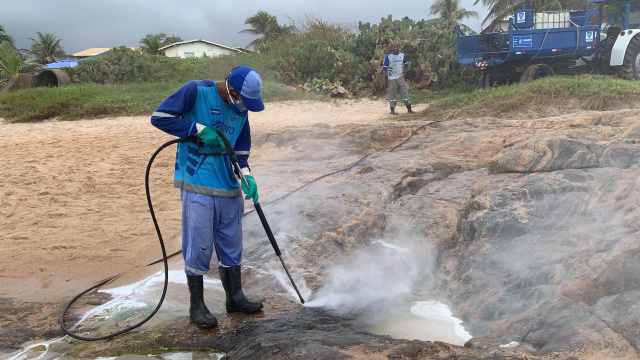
(198,102)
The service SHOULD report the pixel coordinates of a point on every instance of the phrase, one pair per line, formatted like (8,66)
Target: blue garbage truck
(532,45)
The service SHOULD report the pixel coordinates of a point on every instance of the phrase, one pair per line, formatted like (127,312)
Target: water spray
(234,160)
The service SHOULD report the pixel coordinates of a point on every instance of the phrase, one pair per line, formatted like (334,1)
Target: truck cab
(624,44)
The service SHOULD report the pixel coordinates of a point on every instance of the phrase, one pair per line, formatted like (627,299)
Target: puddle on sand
(425,320)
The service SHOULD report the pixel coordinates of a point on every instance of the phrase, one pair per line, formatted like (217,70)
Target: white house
(197,48)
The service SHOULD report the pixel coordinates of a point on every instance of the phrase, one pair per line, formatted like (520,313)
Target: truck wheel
(630,68)
(524,76)
(537,71)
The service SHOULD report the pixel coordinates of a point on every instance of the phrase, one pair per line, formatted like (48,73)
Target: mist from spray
(376,277)
(386,283)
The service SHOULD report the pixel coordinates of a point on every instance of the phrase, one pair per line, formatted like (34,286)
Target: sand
(72,203)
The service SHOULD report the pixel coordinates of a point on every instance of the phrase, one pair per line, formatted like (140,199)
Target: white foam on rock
(24,353)
(510,345)
(435,310)
(129,296)
(391,246)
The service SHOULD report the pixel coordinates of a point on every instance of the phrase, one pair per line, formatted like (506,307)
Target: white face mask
(237,105)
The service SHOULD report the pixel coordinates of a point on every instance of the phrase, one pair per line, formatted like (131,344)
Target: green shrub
(354,60)
(122,65)
(316,51)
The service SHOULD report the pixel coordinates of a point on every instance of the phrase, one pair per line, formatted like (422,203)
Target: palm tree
(451,10)
(5,37)
(46,48)
(265,26)
(500,9)
(152,42)
(171,40)
(12,62)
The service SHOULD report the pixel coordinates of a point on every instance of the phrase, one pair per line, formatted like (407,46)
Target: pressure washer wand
(234,160)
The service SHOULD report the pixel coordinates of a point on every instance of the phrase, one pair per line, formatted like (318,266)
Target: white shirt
(394,65)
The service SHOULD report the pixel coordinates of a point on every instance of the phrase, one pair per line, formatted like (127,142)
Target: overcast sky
(83,24)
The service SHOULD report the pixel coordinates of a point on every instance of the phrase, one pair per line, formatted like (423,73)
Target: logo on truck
(522,41)
(589,36)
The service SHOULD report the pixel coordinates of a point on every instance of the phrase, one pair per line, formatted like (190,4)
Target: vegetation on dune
(588,92)
(78,101)
(90,100)
(319,53)
(123,65)
(316,55)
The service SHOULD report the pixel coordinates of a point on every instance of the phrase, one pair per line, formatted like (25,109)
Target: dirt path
(73,209)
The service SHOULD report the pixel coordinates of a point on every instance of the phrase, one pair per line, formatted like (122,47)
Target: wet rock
(616,156)
(620,312)
(633,133)
(24,321)
(540,253)
(303,334)
(543,155)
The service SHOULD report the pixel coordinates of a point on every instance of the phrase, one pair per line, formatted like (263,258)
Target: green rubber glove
(252,191)
(209,137)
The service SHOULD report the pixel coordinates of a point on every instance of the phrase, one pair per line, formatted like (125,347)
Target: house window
(189,54)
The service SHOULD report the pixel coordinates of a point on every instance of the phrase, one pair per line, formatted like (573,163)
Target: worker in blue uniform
(212,204)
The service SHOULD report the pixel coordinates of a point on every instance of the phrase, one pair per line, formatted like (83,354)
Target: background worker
(394,70)
(212,206)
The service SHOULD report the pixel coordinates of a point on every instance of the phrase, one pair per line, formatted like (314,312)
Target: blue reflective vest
(199,102)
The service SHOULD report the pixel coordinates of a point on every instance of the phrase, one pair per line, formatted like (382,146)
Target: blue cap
(247,82)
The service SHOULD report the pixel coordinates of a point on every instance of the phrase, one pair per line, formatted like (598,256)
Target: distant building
(94,52)
(243,50)
(198,48)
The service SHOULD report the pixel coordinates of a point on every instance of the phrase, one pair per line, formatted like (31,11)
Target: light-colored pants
(210,222)
(395,86)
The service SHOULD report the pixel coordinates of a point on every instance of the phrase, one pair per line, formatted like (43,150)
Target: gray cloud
(84,24)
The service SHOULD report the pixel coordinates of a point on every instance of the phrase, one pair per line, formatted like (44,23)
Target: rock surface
(528,229)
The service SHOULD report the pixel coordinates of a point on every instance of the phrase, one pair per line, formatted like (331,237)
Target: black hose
(164,252)
(164,259)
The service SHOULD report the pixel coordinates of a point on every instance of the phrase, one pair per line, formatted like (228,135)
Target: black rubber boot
(409,109)
(393,111)
(232,283)
(198,311)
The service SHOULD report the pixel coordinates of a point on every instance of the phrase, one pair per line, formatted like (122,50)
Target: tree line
(46,48)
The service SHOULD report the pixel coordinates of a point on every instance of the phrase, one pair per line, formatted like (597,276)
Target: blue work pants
(210,222)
